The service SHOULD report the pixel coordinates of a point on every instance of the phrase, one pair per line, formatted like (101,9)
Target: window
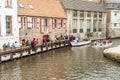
(46,23)
(100,15)
(34,22)
(100,25)
(115,24)
(113,5)
(88,25)
(23,22)
(74,13)
(115,13)
(81,25)
(88,14)
(8,3)
(20,5)
(119,6)
(8,25)
(61,22)
(94,25)
(95,14)
(55,23)
(74,26)
(81,14)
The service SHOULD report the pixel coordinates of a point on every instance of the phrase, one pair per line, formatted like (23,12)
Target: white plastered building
(9,30)
(113,17)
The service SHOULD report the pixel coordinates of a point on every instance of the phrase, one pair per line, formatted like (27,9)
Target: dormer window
(20,5)
(30,6)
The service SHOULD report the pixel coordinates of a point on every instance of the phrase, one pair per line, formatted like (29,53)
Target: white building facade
(85,21)
(113,21)
(9,30)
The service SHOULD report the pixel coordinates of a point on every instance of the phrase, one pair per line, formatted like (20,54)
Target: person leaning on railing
(33,44)
(15,45)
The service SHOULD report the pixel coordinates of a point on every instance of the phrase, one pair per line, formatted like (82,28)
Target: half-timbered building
(41,18)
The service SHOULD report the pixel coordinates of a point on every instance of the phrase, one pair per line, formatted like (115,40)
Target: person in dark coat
(33,44)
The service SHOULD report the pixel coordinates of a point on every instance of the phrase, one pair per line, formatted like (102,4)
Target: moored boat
(80,43)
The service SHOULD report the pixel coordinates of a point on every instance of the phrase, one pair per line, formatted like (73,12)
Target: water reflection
(68,63)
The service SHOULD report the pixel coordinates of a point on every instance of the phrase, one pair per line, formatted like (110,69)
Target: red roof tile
(47,8)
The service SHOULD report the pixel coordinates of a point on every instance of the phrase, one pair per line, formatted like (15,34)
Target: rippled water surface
(68,63)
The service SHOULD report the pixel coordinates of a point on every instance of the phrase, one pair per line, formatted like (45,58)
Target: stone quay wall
(12,54)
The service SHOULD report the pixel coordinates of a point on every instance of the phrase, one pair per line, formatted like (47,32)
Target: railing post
(64,42)
(11,55)
(0,58)
(21,52)
(29,51)
(41,48)
(59,43)
(46,46)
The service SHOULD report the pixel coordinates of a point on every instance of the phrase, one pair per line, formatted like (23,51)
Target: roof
(82,5)
(47,8)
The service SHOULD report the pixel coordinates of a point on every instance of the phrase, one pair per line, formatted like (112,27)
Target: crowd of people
(8,46)
(32,43)
(23,43)
(102,42)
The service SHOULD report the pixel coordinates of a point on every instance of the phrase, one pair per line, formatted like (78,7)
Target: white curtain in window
(75,24)
(81,24)
(88,24)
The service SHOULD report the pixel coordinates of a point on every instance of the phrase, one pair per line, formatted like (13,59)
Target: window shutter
(50,26)
(42,25)
(59,23)
(29,22)
(20,22)
(53,23)
(64,23)
(38,22)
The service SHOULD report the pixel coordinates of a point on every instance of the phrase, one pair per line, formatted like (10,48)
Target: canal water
(67,63)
